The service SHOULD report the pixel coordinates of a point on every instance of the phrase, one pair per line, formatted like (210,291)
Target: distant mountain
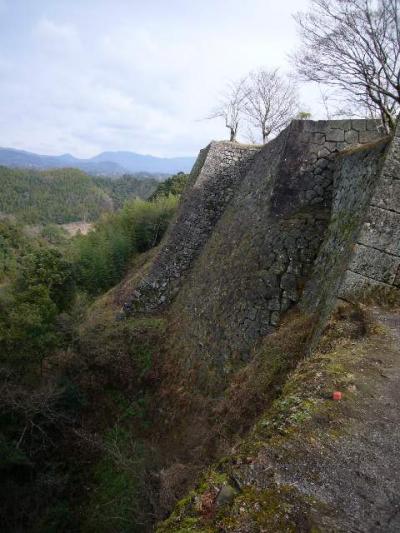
(104,164)
(147,163)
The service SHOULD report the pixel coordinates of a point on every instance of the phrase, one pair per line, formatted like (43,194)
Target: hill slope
(65,195)
(312,464)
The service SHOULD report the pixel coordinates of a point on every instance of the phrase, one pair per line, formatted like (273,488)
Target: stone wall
(361,250)
(260,228)
(355,177)
(375,263)
(261,252)
(219,169)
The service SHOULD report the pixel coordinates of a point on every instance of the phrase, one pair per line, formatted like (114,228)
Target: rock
(226,495)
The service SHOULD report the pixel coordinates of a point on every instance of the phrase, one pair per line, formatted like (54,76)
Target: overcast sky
(83,76)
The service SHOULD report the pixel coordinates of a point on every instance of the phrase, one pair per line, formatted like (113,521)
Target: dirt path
(312,464)
(357,475)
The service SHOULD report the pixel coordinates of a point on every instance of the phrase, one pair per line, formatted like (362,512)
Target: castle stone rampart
(263,228)
(376,256)
(213,181)
(247,235)
(355,176)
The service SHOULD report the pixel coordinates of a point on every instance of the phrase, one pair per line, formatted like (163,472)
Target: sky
(84,76)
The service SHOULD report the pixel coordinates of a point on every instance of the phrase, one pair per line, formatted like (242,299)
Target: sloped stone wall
(260,228)
(376,255)
(361,249)
(355,177)
(216,174)
(261,252)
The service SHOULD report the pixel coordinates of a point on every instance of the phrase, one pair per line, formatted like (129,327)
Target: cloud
(83,77)
(56,37)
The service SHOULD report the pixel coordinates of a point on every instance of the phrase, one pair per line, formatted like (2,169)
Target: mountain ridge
(114,163)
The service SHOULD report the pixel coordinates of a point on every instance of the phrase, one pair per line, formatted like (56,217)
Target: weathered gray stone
(387,195)
(369,136)
(381,230)
(358,124)
(225,495)
(351,136)
(341,124)
(354,286)
(374,264)
(335,135)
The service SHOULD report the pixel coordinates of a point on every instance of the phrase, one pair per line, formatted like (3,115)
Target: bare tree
(231,106)
(270,103)
(354,45)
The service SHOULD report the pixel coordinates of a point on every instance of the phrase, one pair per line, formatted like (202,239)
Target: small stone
(274,318)
(225,495)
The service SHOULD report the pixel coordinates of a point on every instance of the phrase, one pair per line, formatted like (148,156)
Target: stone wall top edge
(338,122)
(236,145)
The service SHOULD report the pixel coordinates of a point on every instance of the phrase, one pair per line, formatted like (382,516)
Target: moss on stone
(302,416)
(278,509)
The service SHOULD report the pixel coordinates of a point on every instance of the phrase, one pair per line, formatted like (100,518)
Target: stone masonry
(218,171)
(248,233)
(376,256)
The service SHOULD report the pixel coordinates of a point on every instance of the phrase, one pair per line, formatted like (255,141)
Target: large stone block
(335,135)
(369,136)
(387,194)
(355,286)
(381,230)
(374,264)
(351,137)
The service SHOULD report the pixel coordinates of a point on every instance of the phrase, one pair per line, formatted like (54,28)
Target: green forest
(53,362)
(66,195)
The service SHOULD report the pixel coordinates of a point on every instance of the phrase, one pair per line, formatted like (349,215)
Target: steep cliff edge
(248,236)
(265,241)
(310,464)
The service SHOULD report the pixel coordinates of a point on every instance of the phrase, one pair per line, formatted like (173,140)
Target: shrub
(102,256)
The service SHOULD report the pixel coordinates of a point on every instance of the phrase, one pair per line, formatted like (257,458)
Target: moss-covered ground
(285,472)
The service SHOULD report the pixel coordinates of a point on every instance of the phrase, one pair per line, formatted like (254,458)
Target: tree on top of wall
(271,102)
(230,107)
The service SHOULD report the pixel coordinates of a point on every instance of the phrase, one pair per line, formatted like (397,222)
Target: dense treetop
(65,195)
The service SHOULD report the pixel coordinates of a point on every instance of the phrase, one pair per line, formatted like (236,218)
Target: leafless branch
(354,45)
(231,106)
(271,102)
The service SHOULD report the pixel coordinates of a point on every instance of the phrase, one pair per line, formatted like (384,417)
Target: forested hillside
(47,449)
(65,195)
(128,186)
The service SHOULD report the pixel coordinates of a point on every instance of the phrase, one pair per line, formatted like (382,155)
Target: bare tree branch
(271,102)
(354,45)
(231,106)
